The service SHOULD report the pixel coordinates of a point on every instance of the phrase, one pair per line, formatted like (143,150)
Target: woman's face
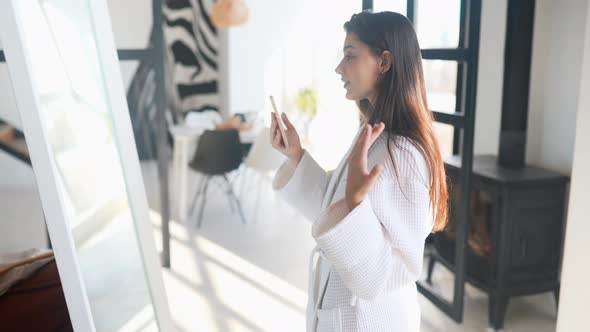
(359,69)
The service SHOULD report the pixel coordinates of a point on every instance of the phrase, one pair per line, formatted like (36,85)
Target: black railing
(15,153)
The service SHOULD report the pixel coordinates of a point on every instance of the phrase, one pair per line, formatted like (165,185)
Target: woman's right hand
(294,152)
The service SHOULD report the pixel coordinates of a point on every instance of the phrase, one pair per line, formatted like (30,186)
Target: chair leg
(228,191)
(236,200)
(431,262)
(237,177)
(203,201)
(200,185)
(238,173)
(240,211)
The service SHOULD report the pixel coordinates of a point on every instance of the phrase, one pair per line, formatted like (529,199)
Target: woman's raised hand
(294,151)
(360,180)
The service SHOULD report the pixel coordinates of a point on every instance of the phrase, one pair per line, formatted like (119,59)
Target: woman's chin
(350,96)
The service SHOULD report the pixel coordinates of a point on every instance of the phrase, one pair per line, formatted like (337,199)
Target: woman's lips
(346,84)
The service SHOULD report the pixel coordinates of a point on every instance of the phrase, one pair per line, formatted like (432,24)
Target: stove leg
(497,310)
(431,262)
(556,297)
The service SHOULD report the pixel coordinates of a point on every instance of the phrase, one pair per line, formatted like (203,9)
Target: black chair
(218,153)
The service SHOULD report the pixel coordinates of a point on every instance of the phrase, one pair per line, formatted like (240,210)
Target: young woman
(372,214)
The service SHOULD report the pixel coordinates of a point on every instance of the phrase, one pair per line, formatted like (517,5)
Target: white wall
(554,89)
(490,77)
(132,22)
(251,47)
(555,79)
(575,289)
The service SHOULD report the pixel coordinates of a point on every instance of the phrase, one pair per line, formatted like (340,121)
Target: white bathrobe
(369,258)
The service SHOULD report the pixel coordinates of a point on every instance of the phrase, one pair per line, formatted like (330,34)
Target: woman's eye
(348,57)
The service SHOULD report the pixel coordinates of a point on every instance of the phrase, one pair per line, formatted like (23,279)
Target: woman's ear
(386,61)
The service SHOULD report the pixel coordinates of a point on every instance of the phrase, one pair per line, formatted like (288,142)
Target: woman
(372,214)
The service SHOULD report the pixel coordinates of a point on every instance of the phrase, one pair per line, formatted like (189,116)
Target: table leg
(182,178)
(176,152)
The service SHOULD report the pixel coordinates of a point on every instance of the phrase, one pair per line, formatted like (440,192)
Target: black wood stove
(514,241)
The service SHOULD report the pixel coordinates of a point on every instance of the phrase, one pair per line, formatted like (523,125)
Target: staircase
(12,141)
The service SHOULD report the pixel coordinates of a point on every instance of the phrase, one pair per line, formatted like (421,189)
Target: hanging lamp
(229,13)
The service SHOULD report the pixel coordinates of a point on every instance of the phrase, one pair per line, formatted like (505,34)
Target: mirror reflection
(77,117)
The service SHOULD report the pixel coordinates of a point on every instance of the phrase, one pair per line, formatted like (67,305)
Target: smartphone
(279,121)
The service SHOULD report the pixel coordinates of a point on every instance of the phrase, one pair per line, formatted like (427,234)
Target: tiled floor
(229,276)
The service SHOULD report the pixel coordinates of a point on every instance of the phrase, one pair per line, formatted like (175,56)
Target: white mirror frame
(17,58)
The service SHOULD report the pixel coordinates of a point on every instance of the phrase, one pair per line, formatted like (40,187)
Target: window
(441,82)
(437,23)
(445,133)
(399,6)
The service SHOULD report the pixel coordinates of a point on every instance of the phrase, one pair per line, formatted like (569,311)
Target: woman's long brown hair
(401,96)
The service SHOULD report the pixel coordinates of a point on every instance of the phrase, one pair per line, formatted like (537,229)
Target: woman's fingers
(286,121)
(375,132)
(274,138)
(277,140)
(364,142)
(360,180)
(370,135)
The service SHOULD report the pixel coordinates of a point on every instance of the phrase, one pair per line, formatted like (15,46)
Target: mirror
(100,229)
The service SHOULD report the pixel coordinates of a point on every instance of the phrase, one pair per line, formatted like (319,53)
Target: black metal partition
(463,120)
(154,53)
(157,49)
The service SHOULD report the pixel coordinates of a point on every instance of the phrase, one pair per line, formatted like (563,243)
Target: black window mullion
(464,116)
(456,120)
(461,69)
(411,11)
(454,54)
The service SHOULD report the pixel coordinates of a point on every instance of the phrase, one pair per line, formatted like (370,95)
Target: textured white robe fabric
(370,257)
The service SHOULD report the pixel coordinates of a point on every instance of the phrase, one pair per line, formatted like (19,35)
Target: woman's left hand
(360,180)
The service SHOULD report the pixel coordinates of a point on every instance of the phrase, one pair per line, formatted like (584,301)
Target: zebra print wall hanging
(191,70)
(193,49)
